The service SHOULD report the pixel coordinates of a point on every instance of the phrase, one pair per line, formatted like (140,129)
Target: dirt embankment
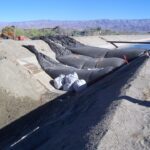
(22,86)
(98,42)
(111,114)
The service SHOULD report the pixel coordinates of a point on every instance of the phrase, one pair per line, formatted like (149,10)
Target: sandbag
(94,52)
(59,81)
(63,45)
(79,85)
(71,78)
(69,81)
(43,60)
(65,40)
(56,48)
(87,75)
(65,56)
(85,62)
(60,39)
(54,69)
(113,62)
(129,53)
(77,61)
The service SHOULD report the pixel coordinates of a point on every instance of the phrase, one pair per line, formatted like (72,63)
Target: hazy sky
(23,10)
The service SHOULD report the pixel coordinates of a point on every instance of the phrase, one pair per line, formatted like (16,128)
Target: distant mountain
(141,25)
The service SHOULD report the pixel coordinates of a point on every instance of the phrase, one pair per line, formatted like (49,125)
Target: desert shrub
(19,32)
(8,32)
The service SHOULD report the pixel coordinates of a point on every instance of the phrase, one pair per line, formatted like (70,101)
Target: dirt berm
(112,114)
(24,86)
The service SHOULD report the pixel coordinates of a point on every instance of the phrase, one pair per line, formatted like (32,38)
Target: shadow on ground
(72,122)
(136,101)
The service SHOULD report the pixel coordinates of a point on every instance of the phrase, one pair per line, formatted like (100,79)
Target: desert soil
(113,113)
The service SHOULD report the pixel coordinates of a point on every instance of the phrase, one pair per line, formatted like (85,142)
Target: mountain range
(135,25)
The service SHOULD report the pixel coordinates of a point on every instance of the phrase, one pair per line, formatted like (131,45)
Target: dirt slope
(21,85)
(112,114)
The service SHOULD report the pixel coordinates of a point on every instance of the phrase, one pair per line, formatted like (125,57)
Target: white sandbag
(79,85)
(69,80)
(67,87)
(59,81)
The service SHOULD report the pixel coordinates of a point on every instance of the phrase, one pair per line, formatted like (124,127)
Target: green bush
(30,32)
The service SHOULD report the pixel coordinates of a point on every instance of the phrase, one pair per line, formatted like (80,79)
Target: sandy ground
(111,114)
(98,42)
(23,82)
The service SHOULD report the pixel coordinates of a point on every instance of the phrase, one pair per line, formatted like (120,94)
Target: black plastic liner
(90,63)
(94,52)
(54,69)
(129,53)
(85,62)
(56,48)
(87,75)
(61,39)
(61,46)
(66,57)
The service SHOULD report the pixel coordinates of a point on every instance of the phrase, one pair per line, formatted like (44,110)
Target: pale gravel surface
(130,126)
(98,42)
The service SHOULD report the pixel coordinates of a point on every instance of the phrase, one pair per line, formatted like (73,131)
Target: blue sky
(24,10)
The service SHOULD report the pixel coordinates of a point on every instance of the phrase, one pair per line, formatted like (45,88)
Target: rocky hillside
(140,25)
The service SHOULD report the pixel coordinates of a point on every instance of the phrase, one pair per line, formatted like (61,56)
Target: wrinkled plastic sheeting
(59,81)
(66,57)
(43,60)
(86,74)
(65,41)
(84,62)
(129,53)
(69,81)
(56,48)
(62,49)
(79,85)
(87,62)
(94,52)
(54,69)
(64,45)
